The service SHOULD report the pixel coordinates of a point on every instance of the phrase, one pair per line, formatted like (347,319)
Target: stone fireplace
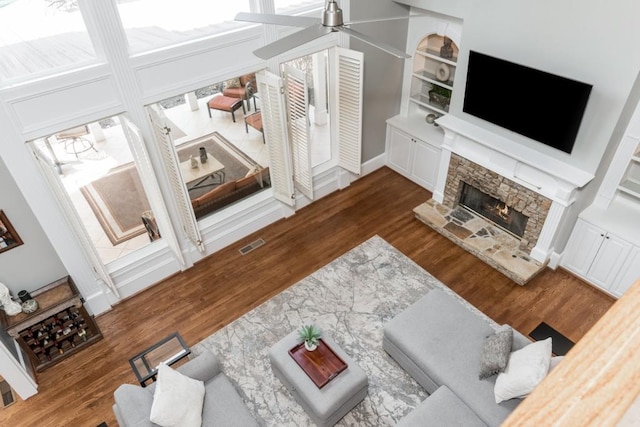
(503,201)
(513,199)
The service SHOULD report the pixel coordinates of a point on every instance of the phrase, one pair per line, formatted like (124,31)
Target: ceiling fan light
(332,16)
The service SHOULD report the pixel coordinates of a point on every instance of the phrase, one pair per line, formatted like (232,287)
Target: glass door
(95,167)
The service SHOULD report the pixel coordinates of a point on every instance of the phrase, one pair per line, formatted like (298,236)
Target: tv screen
(539,105)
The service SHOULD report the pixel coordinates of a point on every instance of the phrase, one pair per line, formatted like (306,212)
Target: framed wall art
(9,238)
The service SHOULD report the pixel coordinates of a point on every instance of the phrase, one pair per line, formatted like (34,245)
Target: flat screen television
(539,105)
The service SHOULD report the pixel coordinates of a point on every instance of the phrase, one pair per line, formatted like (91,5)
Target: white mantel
(535,170)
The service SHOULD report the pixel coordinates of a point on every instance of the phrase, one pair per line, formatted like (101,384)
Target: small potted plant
(310,334)
(440,96)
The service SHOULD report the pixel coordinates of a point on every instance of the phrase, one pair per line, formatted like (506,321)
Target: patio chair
(75,140)
(243,87)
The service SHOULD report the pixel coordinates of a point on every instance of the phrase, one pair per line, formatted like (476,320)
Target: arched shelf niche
(434,70)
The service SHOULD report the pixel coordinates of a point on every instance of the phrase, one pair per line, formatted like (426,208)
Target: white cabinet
(412,157)
(629,273)
(602,258)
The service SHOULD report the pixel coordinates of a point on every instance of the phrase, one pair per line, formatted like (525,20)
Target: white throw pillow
(178,399)
(527,367)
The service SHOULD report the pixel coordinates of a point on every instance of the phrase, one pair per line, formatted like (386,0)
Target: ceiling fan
(331,21)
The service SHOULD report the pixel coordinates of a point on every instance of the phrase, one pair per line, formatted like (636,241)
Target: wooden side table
(59,328)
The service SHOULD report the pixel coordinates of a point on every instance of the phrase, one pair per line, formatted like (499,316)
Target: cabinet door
(629,273)
(425,164)
(609,260)
(582,248)
(400,151)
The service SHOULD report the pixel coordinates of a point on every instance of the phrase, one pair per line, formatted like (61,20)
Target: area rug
(236,163)
(118,198)
(350,299)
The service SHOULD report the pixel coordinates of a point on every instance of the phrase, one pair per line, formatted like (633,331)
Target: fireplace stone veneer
(529,203)
(540,183)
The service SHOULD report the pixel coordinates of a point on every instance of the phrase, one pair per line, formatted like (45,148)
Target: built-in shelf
(434,70)
(630,182)
(631,187)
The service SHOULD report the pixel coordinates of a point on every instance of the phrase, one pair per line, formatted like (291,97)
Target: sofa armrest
(133,405)
(519,341)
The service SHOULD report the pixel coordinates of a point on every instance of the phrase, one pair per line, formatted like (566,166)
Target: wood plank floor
(79,391)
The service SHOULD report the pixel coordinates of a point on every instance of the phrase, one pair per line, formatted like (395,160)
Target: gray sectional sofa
(223,406)
(438,340)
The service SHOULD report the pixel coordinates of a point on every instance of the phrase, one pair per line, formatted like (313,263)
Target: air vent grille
(251,246)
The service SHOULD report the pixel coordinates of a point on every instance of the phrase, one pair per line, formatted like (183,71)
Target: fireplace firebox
(496,211)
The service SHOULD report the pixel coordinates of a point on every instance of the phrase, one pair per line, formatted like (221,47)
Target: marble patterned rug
(351,299)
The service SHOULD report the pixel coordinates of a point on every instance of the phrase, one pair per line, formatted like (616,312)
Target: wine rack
(58,329)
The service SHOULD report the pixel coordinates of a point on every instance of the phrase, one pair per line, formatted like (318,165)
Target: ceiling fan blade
(291,41)
(288,20)
(395,18)
(382,46)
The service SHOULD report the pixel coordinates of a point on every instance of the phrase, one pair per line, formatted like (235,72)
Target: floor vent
(251,246)
(7,394)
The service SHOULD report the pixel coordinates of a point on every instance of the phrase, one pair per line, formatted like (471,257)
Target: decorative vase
(203,155)
(24,296)
(194,163)
(309,346)
(29,306)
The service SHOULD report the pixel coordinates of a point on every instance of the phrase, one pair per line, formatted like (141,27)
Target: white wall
(17,270)
(382,72)
(590,41)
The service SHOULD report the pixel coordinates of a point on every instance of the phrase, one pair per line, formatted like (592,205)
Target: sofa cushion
(219,191)
(527,367)
(223,406)
(442,408)
(233,83)
(495,352)
(177,400)
(443,338)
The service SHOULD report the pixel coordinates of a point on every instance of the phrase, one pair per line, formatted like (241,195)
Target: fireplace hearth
(493,209)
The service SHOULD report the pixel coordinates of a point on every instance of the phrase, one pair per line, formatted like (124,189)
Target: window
(98,173)
(152,24)
(220,152)
(39,37)
(315,66)
(291,7)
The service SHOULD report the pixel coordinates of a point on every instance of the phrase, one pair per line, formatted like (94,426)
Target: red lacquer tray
(321,365)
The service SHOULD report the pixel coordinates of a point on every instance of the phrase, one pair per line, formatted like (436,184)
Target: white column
(15,374)
(443,169)
(192,101)
(544,246)
(96,130)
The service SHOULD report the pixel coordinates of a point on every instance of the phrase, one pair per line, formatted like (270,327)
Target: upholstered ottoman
(225,103)
(326,405)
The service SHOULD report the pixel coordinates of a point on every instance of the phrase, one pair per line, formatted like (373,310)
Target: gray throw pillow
(495,352)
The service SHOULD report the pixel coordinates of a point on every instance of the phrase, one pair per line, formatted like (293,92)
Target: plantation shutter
(297,102)
(72,216)
(348,80)
(274,122)
(147,175)
(179,190)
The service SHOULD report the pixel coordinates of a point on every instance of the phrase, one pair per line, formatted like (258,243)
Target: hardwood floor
(201,300)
